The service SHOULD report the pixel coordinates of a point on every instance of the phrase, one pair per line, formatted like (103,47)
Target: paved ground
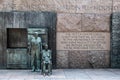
(62,74)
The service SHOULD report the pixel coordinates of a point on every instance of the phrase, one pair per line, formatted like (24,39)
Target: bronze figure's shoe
(33,69)
(38,70)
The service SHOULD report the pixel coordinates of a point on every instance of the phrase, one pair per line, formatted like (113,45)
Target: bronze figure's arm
(29,48)
(40,46)
(50,54)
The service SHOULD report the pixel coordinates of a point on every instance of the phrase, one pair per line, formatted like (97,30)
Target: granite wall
(83,29)
(115,39)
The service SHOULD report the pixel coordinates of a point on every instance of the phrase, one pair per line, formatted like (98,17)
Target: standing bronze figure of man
(36,48)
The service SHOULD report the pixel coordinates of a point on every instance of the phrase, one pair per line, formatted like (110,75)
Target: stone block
(22,5)
(68,22)
(6,5)
(115,59)
(62,59)
(2,20)
(88,59)
(83,59)
(65,6)
(40,19)
(36,5)
(1,44)
(78,59)
(88,22)
(83,41)
(96,22)
(115,39)
(46,5)
(99,59)
(94,6)
(116,5)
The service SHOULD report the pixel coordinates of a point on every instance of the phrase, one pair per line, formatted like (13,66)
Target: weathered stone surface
(1,20)
(66,6)
(1,44)
(83,41)
(99,59)
(78,59)
(36,5)
(71,6)
(8,19)
(88,22)
(83,59)
(88,59)
(6,5)
(102,22)
(19,20)
(62,59)
(116,5)
(68,22)
(115,41)
(94,6)
(46,5)
(96,22)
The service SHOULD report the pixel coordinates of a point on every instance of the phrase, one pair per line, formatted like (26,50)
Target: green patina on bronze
(38,49)
(35,43)
(46,64)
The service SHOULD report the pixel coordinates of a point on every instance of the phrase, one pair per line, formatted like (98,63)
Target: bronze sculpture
(36,47)
(46,64)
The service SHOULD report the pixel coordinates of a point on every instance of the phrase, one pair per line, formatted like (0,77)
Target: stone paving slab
(62,74)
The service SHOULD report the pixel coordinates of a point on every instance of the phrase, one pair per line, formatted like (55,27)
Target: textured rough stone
(66,6)
(78,59)
(62,59)
(1,21)
(1,44)
(99,59)
(69,22)
(6,5)
(83,59)
(88,22)
(69,6)
(96,22)
(46,5)
(36,5)
(94,6)
(22,4)
(88,59)
(102,22)
(115,41)
(116,5)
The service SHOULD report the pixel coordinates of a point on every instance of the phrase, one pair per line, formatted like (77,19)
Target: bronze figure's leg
(38,60)
(33,61)
(44,68)
(50,68)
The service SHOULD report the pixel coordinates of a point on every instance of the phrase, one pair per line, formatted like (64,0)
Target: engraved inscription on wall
(83,41)
(71,6)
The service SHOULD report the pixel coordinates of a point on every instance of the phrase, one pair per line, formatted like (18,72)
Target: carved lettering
(83,41)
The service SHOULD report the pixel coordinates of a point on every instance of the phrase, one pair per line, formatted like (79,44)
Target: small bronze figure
(46,64)
(36,47)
